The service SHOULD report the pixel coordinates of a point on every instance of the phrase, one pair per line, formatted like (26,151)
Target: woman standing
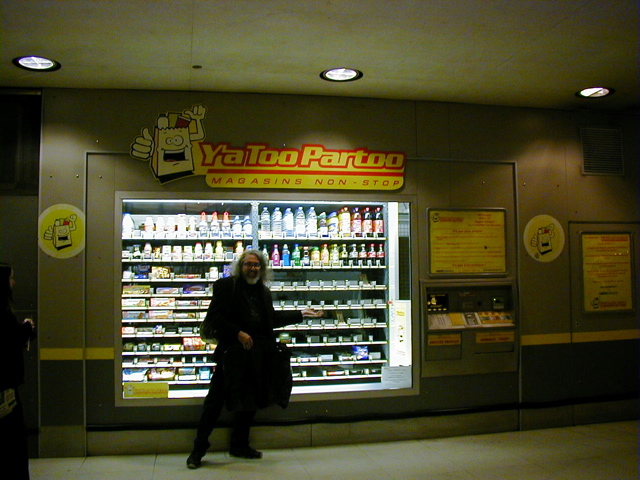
(14,338)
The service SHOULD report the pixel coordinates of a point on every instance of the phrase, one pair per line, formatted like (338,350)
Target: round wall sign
(61,231)
(543,238)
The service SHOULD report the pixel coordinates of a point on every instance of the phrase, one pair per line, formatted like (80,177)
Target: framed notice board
(467,242)
(607,272)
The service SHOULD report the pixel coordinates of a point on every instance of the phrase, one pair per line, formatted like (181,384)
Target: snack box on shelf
(134,302)
(136,289)
(164,302)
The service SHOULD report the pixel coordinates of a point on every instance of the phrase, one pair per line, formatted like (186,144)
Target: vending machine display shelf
(173,252)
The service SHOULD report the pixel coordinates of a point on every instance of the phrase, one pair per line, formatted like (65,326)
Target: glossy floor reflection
(607,451)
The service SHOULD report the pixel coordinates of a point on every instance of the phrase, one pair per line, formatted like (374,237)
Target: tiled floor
(606,451)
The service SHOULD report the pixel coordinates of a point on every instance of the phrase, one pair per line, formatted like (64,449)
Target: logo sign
(61,231)
(175,148)
(543,238)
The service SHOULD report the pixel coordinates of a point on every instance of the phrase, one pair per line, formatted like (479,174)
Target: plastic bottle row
(184,253)
(189,226)
(346,221)
(325,255)
(351,222)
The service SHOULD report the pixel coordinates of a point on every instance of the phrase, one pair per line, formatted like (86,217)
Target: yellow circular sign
(543,238)
(61,231)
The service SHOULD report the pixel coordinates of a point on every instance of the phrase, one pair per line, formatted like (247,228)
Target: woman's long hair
(6,294)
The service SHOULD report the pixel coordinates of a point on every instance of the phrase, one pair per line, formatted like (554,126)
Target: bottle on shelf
(147,252)
(181,226)
(288,223)
(160,230)
(128,226)
(214,227)
(367,222)
(218,253)
(296,259)
(149,227)
(286,256)
(344,254)
(335,254)
(333,224)
(247,227)
(275,256)
(306,257)
(265,253)
(323,226)
(356,222)
(378,222)
(236,228)
(203,226)
(170,227)
(265,221)
(300,222)
(239,249)
(192,227)
(380,253)
(371,255)
(276,222)
(208,251)
(225,226)
(344,221)
(353,254)
(362,253)
(325,256)
(311,222)
(198,253)
(315,256)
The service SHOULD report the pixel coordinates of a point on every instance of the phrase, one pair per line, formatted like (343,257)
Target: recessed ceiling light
(341,75)
(595,92)
(36,64)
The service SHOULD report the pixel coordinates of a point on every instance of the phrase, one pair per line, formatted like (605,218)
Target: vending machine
(339,257)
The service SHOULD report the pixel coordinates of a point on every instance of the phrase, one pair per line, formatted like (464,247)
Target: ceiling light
(595,92)
(36,64)
(341,75)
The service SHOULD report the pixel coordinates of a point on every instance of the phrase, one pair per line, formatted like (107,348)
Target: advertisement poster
(467,241)
(175,148)
(607,272)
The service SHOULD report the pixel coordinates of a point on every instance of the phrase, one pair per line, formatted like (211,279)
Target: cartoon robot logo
(169,150)
(59,234)
(542,239)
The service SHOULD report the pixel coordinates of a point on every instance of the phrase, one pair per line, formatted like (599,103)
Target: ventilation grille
(601,151)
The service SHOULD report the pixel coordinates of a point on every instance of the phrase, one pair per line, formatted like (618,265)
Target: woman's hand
(245,339)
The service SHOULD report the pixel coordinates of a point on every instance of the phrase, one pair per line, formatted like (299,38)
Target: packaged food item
(168,291)
(163,302)
(187,373)
(161,374)
(361,352)
(134,374)
(136,289)
(134,302)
